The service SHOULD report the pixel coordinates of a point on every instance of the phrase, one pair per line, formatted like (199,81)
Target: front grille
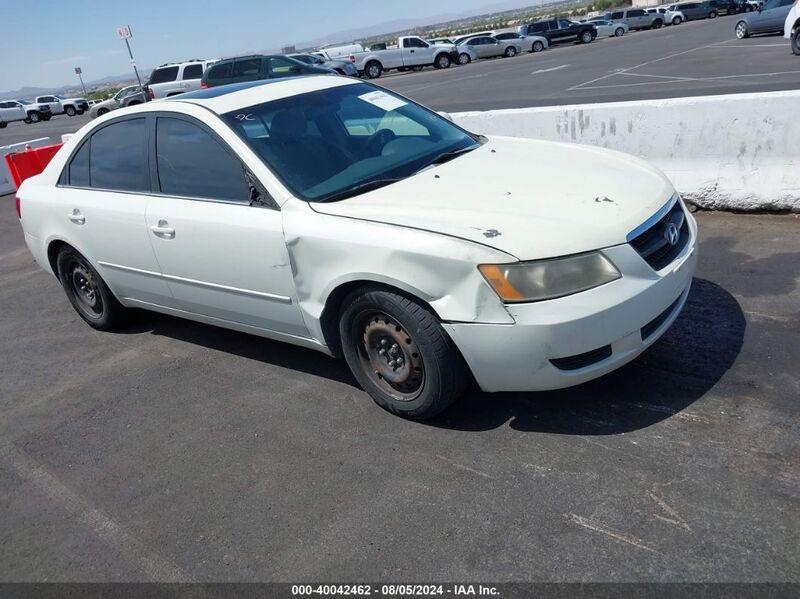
(654,245)
(582,360)
(652,326)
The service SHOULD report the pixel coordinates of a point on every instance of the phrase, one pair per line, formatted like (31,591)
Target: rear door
(221,257)
(102,196)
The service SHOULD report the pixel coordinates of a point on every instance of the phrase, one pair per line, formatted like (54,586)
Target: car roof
(225,98)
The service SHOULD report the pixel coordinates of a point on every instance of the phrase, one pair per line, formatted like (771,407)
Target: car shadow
(679,368)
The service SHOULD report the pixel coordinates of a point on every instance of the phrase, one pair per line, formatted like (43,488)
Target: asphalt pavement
(175,451)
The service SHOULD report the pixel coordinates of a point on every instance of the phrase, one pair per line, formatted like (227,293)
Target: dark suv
(562,30)
(255,68)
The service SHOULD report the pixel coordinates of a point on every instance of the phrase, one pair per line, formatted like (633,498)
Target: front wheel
(34,117)
(510,52)
(102,111)
(537,47)
(442,61)
(464,58)
(586,37)
(88,293)
(796,42)
(3,125)
(619,32)
(373,70)
(676,20)
(400,354)
(741,30)
(70,111)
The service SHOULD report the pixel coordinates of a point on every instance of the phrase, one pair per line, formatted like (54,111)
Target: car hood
(531,199)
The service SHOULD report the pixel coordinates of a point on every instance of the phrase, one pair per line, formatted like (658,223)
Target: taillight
(203,85)
(19,208)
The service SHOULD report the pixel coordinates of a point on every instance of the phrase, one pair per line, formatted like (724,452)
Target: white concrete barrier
(738,151)
(6,182)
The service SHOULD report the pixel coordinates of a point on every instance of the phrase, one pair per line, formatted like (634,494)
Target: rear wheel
(619,32)
(464,58)
(712,14)
(373,70)
(741,30)
(400,354)
(510,52)
(796,42)
(70,111)
(34,117)
(586,37)
(658,24)
(537,47)
(88,293)
(3,125)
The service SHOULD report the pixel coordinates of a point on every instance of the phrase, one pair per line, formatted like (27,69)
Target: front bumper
(602,328)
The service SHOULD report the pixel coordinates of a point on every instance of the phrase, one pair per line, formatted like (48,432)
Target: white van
(340,52)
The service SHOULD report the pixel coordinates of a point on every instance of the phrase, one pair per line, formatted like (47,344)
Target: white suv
(176,78)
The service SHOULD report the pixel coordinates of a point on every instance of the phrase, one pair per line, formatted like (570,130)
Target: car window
(413,42)
(78,169)
(537,27)
(118,157)
(246,67)
(192,163)
(636,13)
(220,71)
(192,71)
(371,135)
(304,58)
(564,24)
(283,67)
(617,15)
(164,75)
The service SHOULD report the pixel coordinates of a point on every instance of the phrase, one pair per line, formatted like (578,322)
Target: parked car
(725,7)
(340,52)
(489,47)
(62,105)
(791,28)
(342,67)
(771,18)
(672,16)
(693,11)
(442,41)
(409,53)
(10,112)
(560,30)
(36,111)
(332,214)
(175,78)
(127,96)
(611,28)
(460,40)
(257,67)
(638,18)
(528,43)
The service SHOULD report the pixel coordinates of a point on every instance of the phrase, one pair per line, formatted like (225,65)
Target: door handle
(76,217)
(163,230)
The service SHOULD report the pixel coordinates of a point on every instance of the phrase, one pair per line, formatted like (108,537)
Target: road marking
(722,77)
(563,66)
(756,46)
(659,76)
(146,559)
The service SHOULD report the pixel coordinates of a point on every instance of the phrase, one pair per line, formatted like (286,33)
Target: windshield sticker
(382,100)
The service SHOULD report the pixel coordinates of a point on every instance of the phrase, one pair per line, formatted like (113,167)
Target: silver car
(610,28)
(342,67)
(127,96)
(528,43)
(489,47)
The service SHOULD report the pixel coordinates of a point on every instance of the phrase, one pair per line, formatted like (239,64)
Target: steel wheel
(85,289)
(390,357)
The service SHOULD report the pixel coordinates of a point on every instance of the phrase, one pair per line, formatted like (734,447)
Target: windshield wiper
(450,154)
(361,188)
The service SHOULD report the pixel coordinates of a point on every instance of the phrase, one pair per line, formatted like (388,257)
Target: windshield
(24,101)
(334,143)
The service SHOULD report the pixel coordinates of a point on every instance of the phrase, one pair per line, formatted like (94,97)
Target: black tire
(464,58)
(81,111)
(34,117)
(70,111)
(537,47)
(88,293)
(796,42)
(373,69)
(102,111)
(619,32)
(510,52)
(442,61)
(677,20)
(3,125)
(27,121)
(428,372)
(587,37)
(712,14)
(658,24)
(742,31)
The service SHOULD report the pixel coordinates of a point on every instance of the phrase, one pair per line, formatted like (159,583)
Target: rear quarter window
(193,71)
(220,70)
(164,75)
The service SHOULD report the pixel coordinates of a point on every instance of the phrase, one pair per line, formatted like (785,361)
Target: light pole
(78,72)
(124,33)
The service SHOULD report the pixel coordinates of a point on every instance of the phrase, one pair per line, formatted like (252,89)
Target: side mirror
(445,115)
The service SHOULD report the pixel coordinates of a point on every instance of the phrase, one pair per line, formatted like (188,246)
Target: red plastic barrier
(31,162)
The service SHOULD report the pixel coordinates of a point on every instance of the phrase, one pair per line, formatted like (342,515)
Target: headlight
(548,279)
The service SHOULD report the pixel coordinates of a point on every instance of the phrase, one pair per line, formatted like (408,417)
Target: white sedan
(332,214)
(611,28)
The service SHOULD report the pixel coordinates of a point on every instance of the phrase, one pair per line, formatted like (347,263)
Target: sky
(41,47)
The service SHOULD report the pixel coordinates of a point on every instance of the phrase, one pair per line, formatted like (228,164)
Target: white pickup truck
(62,105)
(409,53)
(22,110)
